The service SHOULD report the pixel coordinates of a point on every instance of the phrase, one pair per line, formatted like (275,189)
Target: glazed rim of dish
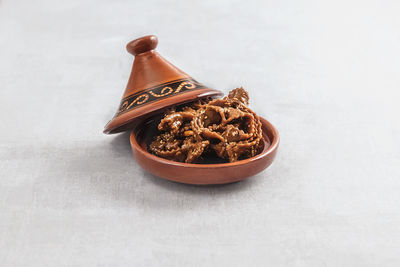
(273,132)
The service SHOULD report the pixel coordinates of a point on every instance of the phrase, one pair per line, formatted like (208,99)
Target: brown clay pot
(203,174)
(154,85)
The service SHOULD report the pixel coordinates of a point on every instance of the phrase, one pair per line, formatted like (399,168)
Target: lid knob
(143,44)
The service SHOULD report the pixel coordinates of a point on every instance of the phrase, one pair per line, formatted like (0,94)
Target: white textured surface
(326,74)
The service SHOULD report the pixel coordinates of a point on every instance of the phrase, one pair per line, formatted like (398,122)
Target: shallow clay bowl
(202,174)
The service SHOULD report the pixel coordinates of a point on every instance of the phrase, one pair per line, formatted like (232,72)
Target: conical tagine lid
(154,84)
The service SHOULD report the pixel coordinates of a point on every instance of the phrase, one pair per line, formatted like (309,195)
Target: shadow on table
(173,195)
(120,144)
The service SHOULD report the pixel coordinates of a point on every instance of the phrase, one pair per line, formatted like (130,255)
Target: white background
(326,73)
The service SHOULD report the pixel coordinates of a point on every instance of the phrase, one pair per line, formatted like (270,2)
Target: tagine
(182,130)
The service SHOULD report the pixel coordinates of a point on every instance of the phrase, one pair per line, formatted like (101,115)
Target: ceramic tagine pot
(154,85)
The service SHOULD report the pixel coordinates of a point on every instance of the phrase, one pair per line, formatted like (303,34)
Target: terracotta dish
(156,85)
(202,174)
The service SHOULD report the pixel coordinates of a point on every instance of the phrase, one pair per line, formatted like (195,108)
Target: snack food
(226,127)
